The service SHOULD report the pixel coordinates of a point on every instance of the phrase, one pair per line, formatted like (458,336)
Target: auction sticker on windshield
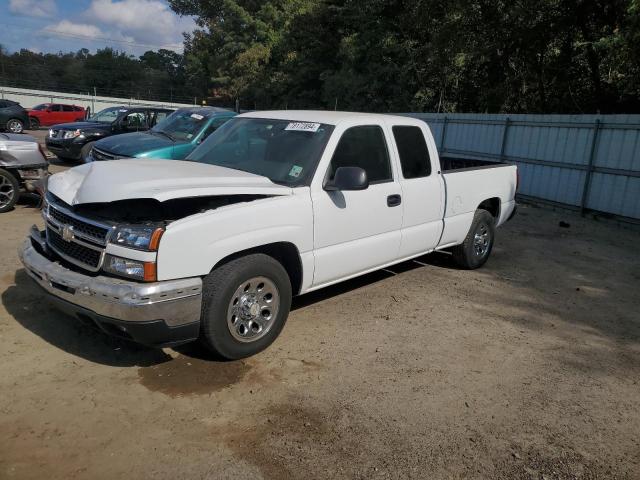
(197,116)
(303,127)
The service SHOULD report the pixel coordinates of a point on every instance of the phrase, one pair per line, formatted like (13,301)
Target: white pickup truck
(271,205)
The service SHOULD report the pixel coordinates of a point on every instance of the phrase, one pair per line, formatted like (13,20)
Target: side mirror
(348,178)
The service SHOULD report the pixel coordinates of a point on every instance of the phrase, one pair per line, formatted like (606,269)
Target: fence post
(505,132)
(592,156)
(444,134)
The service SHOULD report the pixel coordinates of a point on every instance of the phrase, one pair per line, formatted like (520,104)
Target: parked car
(272,204)
(23,167)
(74,141)
(47,114)
(13,118)
(173,138)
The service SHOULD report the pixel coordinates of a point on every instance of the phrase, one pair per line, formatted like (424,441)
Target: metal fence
(587,162)
(30,98)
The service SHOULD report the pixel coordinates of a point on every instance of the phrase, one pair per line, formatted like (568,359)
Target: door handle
(394,200)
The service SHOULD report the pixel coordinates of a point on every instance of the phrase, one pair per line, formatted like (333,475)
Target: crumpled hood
(163,180)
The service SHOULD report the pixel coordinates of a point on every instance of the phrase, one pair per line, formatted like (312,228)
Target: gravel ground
(527,368)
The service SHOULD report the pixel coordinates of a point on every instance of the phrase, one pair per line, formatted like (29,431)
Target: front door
(355,231)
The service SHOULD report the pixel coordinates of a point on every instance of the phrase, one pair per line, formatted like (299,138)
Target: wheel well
(284,252)
(491,205)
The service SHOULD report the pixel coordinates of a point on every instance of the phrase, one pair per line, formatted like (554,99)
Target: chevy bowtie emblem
(67,233)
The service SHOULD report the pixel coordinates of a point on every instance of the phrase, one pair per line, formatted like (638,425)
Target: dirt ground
(525,369)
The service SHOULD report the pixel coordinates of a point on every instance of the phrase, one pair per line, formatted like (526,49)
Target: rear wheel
(245,306)
(9,191)
(477,245)
(15,126)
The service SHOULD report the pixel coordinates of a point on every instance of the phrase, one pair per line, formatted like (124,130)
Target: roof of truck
(323,116)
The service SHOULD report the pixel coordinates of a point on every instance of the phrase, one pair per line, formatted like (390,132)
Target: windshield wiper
(162,132)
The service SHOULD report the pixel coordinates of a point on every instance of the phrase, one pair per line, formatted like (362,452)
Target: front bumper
(34,178)
(158,314)
(65,148)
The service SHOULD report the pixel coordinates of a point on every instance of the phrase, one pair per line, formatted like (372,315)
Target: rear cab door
(68,113)
(356,231)
(421,183)
(55,114)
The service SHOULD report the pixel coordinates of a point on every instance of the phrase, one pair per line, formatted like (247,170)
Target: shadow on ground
(25,302)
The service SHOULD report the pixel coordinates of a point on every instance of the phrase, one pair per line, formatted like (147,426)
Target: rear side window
(414,154)
(67,108)
(363,147)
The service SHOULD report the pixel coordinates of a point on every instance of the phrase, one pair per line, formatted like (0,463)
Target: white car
(271,205)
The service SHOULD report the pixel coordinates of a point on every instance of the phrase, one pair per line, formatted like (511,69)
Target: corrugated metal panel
(554,154)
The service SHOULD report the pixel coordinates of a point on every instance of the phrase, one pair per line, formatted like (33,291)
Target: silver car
(23,167)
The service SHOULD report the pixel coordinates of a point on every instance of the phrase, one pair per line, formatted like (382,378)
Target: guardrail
(29,98)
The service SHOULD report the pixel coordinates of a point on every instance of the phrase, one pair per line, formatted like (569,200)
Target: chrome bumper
(175,302)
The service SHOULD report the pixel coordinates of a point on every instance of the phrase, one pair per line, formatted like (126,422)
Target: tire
(236,324)
(34,123)
(84,151)
(15,125)
(9,191)
(476,248)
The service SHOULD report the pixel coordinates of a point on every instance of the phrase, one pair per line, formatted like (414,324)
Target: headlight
(72,134)
(141,237)
(124,267)
(51,132)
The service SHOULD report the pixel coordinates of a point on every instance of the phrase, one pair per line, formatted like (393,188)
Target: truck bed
(451,164)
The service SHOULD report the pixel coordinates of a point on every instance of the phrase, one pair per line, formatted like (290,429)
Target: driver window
(363,147)
(135,120)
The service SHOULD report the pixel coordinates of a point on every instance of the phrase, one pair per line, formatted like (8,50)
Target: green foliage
(157,75)
(399,55)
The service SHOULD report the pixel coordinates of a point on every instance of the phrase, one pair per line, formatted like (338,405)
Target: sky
(134,26)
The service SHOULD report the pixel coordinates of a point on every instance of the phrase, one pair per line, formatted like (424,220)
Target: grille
(79,253)
(101,155)
(84,229)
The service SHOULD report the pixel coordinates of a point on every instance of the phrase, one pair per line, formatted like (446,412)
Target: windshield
(284,151)
(108,115)
(182,125)
(42,106)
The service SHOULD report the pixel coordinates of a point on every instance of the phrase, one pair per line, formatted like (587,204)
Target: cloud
(33,8)
(67,28)
(150,22)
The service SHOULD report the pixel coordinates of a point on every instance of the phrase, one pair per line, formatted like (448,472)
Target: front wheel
(15,126)
(9,191)
(85,151)
(34,123)
(477,245)
(245,306)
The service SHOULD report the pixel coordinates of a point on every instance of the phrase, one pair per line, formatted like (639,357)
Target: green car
(173,138)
